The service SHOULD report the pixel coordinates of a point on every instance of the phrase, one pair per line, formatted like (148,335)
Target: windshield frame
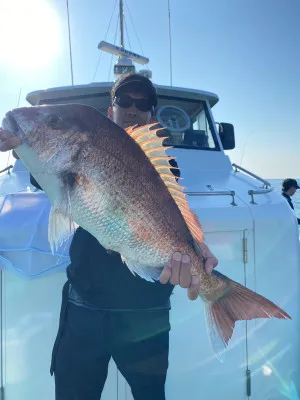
(202,105)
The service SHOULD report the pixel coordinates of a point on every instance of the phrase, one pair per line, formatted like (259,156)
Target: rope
(134,27)
(127,34)
(10,152)
(112,54)
(99,58)
(170,41)
(70,44)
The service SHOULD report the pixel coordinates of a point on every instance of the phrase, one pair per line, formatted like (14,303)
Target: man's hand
(178,272)
(8,141)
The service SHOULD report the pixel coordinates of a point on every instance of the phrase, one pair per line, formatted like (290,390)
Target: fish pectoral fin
(61,223)
(60,228)
(148,273)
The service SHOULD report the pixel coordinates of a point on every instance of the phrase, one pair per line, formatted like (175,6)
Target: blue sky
(246,51)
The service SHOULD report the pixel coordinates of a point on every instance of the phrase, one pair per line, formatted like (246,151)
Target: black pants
(137,341)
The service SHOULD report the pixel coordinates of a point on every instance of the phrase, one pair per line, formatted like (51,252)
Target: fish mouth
(10,124)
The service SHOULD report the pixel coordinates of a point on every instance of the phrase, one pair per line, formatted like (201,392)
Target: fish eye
(55,121)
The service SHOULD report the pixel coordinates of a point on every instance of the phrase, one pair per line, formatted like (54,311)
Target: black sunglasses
(125,101)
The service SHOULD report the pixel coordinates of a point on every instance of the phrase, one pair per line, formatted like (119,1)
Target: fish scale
(111,225)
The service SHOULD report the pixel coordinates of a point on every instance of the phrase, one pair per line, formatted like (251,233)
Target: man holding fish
(109,310)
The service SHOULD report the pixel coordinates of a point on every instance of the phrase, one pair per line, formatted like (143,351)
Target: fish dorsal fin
(151,144)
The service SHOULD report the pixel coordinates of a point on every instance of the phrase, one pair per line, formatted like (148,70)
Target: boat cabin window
(190,129)
(188,123)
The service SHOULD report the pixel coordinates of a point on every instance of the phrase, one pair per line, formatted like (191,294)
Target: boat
(248,226)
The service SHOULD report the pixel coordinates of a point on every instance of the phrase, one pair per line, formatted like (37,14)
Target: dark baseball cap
(288,183)
(135,82)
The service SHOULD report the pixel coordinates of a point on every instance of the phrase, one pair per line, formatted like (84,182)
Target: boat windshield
(199,135)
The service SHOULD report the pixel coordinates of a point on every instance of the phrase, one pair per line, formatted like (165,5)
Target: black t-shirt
(101,280)
(104,281)
(289,200)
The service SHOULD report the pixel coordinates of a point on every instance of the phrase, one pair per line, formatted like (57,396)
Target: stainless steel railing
(266,183)
(7,169)
(231,193)
(262,191)
(219,193)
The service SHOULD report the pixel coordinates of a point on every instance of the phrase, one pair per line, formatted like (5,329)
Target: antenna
(121,52)
(124,63)
(19,97)
(70,46)
(244,147)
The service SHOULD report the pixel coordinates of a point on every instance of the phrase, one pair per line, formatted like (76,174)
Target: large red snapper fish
(118,186)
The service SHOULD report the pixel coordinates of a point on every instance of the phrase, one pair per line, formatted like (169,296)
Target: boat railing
(261,191)
(231,193)
(215,193)
(265,183)
(7,169)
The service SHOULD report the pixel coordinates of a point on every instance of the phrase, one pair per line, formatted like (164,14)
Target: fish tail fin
(237,303)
